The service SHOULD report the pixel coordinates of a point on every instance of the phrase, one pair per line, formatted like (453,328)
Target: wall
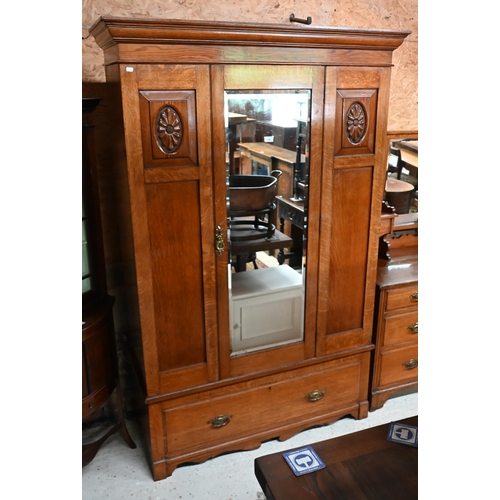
(386,14)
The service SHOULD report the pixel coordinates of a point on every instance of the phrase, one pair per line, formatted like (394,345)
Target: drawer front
(401,328)
(95,400)
(294,215)
(246,411)
(402,297)
(392,368)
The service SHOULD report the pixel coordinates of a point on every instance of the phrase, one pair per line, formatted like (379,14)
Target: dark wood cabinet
(170,81)
(281,135)
(100,379)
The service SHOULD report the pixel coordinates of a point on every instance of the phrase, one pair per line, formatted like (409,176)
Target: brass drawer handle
(219,240)
(220,421)
(315,395)
(411,363)
(414,328)
(414,296)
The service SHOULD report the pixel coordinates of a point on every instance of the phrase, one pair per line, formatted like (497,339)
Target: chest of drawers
(395,366)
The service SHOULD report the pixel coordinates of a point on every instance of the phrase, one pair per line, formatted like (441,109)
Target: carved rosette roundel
(168,130)
(356,123)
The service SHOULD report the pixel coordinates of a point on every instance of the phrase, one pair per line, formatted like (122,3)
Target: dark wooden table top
(362,465)
(278,240)
(271,151)
(401,270)
(410,145)
(243,249)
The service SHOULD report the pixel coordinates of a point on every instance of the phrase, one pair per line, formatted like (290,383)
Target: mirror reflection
(267,152)
(401,190)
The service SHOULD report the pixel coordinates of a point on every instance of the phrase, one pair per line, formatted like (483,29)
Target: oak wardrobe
(231,357)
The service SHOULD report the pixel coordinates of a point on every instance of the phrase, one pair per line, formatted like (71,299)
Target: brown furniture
(291,214)
(399,195)
(282,135)
(395,367)
(100,379)
(407,152)
(359,466)
(244,250)
(99,359)
(234,119)
(410,145)
(169,80)
(270,157)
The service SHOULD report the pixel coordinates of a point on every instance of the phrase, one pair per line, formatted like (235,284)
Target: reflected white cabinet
(266,307)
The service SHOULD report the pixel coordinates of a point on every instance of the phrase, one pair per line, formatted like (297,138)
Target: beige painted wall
(390,14)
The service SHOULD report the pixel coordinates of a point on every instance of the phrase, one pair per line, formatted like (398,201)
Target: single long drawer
(401,328)
(402,297)
(399,365)
(282,399)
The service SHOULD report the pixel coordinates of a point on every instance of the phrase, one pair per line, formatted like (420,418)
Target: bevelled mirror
(267,152)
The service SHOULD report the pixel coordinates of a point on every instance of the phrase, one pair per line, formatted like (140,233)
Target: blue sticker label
(303,461)
(403,433)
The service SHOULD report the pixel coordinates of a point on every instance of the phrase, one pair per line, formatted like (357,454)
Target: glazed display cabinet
(232,355)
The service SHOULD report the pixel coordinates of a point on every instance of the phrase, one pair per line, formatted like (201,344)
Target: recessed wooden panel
(176,264)
(169,128)
(348,259)
(355,124)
